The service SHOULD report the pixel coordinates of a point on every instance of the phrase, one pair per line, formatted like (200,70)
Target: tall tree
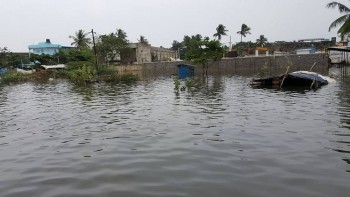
(220,31)
(244,31)
(143,40)
(343,21)
(110,46)
(121,34)
(81,39)
(202,51)
(176,45)
(261,41)
(5,54)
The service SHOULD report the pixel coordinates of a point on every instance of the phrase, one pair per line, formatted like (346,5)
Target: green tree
(121,34)
(202,51)
(5,54)
(261,41)
(244,31)
(143,40)
(343,21)
(110,46)
(176,45)
(220,31)
(81,39)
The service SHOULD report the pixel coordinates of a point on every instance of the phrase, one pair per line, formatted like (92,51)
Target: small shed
(185,71)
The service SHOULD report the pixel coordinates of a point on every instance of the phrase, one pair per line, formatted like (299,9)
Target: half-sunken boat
(308,79)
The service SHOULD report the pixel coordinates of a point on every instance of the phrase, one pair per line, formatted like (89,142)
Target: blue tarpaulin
(184,71)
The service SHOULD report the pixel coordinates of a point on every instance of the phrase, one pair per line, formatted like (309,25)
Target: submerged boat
(297,79)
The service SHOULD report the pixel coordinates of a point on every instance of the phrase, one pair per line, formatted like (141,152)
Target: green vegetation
(12,76)
(113,45)
(261,41)
(176,83)
(344,20)
(244,31)
(220,31)
(203,50)
(143,40)
(81,39)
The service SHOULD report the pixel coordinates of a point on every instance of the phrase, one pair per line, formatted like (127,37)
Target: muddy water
(223,138)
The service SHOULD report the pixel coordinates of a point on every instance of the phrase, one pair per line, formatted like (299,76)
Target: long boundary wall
(246,65)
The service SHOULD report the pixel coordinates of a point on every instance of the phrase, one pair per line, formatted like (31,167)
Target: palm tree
(261,40)
(220,31)
(121,34)
(344,20)
(244,31)
(143,40)
(80,40)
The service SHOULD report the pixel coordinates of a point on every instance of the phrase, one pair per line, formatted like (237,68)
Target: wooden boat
(297,79)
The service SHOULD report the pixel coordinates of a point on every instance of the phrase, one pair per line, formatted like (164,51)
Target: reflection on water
(222,138)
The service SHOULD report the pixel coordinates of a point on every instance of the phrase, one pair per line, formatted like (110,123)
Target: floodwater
(223,138)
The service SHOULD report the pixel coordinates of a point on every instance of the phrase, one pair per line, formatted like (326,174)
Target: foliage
(343,21)
(176,45)
(81,75)
(261,41)
(220,31)
(8,59)
(121,34)
(127,56)
(75,65)
(189,83)
(111,45)
(12,76)
(44,59)
(201,51)
(176,83)
(80,40)
(64,56)
(143,40)
(244,31)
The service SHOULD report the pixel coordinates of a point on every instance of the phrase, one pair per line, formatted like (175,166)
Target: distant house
(46,48)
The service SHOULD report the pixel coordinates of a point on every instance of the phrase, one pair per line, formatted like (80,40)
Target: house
(46,48)
(162,54)
(144,53)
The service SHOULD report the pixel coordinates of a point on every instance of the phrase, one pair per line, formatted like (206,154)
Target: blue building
(46,48)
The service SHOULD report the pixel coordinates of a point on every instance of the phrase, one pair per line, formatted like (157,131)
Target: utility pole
(230,45)
(93,41)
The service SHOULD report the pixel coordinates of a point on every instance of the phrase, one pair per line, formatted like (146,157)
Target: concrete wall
(246,65)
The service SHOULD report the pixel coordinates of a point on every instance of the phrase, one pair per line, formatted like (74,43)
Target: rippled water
(222,139)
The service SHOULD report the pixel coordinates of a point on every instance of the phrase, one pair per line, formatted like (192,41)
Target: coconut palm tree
(261,40)
(220,31)
(80,40)
(344,20)
(121,34)
(244,31)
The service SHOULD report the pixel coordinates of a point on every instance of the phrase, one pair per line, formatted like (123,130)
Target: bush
(82,75)
(79,65)
(12,76)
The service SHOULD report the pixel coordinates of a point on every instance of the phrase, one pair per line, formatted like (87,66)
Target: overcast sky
(25,22)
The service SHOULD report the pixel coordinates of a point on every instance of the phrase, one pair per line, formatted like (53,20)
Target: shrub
(12,76)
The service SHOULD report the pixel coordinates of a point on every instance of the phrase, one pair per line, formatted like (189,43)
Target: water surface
(221,139)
